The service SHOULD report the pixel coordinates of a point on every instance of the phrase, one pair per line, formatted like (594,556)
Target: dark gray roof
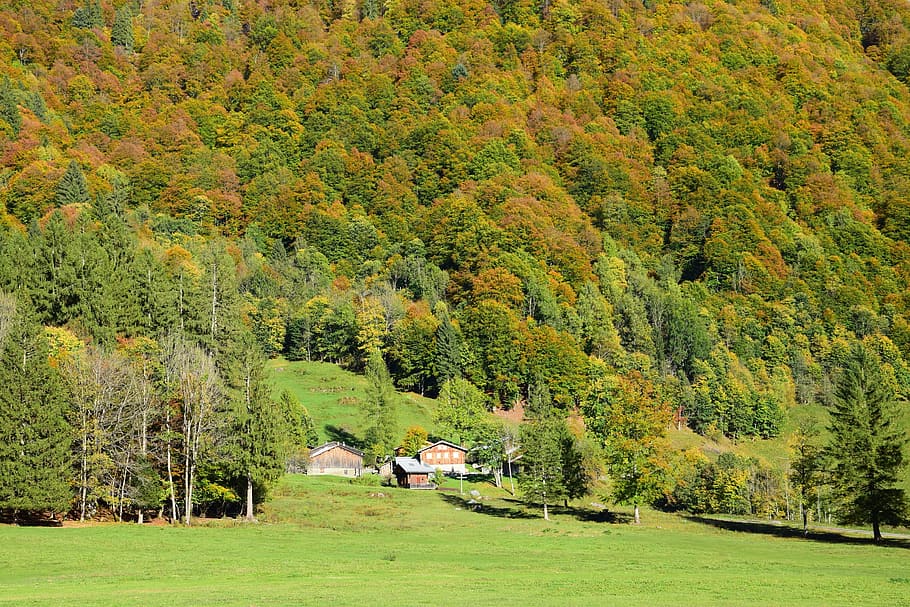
(412,466)
(442,442)
(331,445)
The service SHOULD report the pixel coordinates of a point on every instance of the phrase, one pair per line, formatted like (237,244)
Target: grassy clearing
(334,398)
(327,541)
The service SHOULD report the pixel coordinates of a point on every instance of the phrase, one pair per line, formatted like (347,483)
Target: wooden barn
(411,474)
(335,458)
(444,456)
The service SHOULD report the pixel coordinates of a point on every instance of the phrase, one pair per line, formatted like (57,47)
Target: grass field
(334,398)
(325,541)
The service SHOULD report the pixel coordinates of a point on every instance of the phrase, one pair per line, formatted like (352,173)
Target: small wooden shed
(443,455)
(335,458)
(411,474)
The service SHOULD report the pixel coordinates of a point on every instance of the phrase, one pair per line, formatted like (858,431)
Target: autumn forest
(619,216)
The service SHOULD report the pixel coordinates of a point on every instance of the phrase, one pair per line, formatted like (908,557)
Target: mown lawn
(324,541)
(334,397)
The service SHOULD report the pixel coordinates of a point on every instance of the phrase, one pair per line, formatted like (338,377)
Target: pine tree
(9,109)
(867,445)
(72,187)
(35,437)
(122,30)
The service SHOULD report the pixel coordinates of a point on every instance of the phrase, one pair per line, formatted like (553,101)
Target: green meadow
(326,541)
(334,397)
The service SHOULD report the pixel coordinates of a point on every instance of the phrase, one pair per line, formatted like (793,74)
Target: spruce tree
(380,408)
(258,444)
(542,480)
(35,437)
(9,109)
(122,30)
(72,187)
(867,445)
(35,102)
(88,16)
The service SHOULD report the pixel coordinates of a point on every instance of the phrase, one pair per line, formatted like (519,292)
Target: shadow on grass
(781,530)
(515,509)
(29,519)
(342,436)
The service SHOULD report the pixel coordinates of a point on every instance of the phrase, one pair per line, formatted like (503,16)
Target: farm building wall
(444,457)
(337,461)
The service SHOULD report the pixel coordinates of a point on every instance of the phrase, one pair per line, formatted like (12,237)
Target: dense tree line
(696,205)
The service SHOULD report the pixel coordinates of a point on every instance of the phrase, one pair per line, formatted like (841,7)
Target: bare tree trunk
(637,516)
(170,469)
(83,477)
(188,464)
(249,499)
(214,300)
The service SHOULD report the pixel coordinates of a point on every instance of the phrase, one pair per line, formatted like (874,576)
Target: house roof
(331,445)
(412,466)
(442,442)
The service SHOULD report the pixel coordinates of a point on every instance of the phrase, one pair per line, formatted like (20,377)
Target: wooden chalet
(411,474)
(335,458)
(445,456)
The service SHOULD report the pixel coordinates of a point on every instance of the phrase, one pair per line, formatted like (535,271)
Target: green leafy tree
(867,445)
(414,439)
(35,437)
(461,409)
(806,470)
(581,465)
(302,430)
(630,418)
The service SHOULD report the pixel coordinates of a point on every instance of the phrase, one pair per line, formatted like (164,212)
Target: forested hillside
(623,210)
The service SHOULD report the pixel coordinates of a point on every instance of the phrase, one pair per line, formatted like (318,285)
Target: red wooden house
(411,474)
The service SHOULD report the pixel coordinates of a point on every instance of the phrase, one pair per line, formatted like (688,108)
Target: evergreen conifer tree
(867,445)
(259,441)
(88,15)
(9,110)
(380,408)
(122,30)
(448,347)
(35,102)
(72,187)
(542,481)
(35,437)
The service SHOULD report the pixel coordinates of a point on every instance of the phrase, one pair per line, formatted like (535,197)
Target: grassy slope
(334,397)
(330,542)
